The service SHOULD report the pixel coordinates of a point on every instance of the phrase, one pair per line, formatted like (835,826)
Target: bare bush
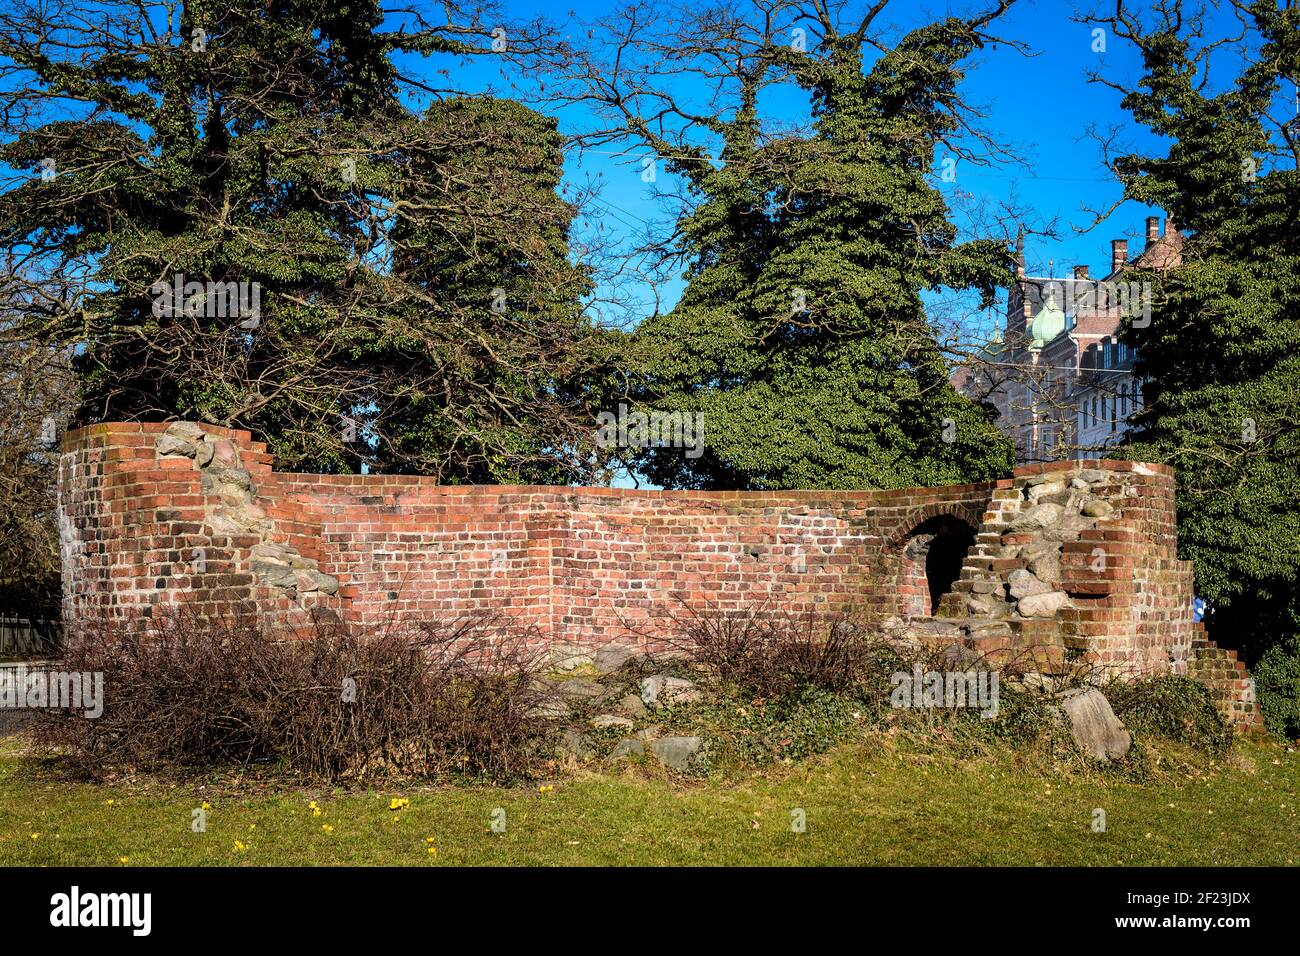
(337,704)
(770,653)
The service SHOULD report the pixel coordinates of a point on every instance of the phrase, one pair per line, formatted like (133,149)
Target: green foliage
(1277,684)
(743,732)
(1176,708)
(274,148)
(1222,352)
(802,337)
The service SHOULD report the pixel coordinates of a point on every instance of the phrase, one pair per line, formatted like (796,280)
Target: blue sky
(1040,105)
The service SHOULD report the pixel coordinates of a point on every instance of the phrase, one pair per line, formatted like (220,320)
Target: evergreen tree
(1221,355)
(802,337)
(263,146)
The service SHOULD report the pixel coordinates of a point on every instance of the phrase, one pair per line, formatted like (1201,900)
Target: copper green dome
(1047,324)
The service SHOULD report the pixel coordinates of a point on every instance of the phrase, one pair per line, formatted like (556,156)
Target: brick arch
(970,513)
(930,546)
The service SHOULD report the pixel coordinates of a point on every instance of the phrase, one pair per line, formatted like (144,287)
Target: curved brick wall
(158,514)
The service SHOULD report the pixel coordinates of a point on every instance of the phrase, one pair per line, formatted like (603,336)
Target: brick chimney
(1153,230)
(1081,272)
(1118,254)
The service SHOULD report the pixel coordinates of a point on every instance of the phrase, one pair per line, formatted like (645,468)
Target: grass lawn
(862,806)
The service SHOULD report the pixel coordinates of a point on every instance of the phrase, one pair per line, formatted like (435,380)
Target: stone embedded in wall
(1023,584)
(1038,518)
(1049,510)
(1042,605)
(237,511)
(1096,508)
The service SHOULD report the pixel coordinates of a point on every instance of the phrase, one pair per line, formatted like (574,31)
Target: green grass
(863,806)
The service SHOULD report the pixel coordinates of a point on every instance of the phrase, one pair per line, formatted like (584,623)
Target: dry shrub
(429,699)
(773,653)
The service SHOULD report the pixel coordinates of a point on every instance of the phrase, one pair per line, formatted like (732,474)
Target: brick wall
(154,515)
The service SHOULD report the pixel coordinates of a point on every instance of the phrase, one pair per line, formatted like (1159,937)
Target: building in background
(1061,380)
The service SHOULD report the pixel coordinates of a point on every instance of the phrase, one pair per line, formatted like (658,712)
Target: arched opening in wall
(932,560)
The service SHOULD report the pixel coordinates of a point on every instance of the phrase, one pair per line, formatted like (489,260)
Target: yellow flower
(433,851)
(327,827)
(108,803)
(398,803)
(36,836)
(240,846)
(124,860)
(545,789)
(315,811)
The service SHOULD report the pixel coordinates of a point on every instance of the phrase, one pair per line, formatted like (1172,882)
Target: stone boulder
(1036,518)
(227,481)
(675,752)
(1093,723)
(1047,568)
(1044,489)
(1097,508)
(1023,584)
(629,747)
(659,690)
(180,438)
(567,657)
(224,454)
(550,708)
(575,743)
(171,445)
(578,688)
(611,657)
(959,657)
(325,583)
(187,431)
(276,575)
(1043,605)
(612,720)
(631,705)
